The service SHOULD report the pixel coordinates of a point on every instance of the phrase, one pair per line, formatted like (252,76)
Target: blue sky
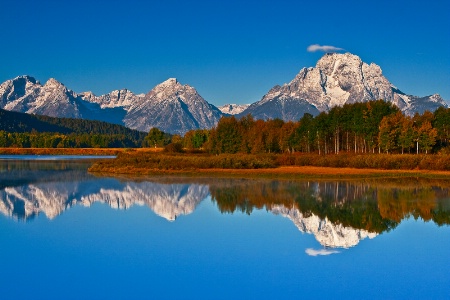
(230,51)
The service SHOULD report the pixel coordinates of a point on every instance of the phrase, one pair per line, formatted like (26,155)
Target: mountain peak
(27,78)
(52,82)
(337,79)
(174,108)
(168,83)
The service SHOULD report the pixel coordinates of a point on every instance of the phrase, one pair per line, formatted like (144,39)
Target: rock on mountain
(233,109)
(170,106)
(336,79)
(117,98)
(25,94)
(173,108)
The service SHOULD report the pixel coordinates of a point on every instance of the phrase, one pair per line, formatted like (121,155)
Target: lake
(69,234)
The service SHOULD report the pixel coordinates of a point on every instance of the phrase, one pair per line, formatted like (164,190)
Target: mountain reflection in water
(338,213)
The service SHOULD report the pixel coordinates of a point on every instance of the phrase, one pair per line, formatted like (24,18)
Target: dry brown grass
(285,173)
(238,165)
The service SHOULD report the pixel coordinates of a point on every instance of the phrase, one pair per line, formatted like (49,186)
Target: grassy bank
(369,161)
(299,166)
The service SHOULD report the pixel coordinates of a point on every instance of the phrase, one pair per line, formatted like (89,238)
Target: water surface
(69,234)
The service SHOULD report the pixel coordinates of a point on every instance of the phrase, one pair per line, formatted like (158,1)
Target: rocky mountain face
(170,106)
(26,94)
(336,79)
(117,98)
(233,109)
(173,108)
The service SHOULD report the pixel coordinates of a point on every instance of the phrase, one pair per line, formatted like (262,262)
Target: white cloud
(324,48)
(313,252)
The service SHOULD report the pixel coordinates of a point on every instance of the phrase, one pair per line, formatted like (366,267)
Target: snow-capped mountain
(233,109)
(26,94)
(172,107)
(336,79)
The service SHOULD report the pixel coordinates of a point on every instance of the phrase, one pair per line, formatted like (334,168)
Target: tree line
(370,127)
(24,131)
(73,140)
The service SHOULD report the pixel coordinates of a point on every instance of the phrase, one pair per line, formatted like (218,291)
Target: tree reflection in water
(338,213)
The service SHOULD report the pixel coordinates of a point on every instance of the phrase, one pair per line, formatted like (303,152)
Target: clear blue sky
(230,51)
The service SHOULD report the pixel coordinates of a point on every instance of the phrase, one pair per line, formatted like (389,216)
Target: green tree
(155,138)
(406,136)
(227,136)
(374,112)
(442,124)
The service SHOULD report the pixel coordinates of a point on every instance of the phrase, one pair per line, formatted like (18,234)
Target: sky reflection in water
(225,238)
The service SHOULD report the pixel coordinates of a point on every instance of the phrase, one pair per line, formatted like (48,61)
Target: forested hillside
(25,130)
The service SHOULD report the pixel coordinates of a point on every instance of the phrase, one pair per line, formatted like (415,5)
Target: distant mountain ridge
(336,79)
(233,109)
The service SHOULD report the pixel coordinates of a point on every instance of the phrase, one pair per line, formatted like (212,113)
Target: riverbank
(307,172)
(154,162)
(267,166)
(73,151)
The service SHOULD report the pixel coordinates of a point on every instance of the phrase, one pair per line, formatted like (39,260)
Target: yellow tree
(426,136)
(389,131)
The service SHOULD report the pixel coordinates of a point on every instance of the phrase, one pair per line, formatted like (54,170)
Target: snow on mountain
(336,79)
(117,98)
(172,107)
(326,233)
(233,109)
(25,94)
(17,90)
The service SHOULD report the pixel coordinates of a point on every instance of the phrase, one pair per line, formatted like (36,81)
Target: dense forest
(25,131)
(370,127)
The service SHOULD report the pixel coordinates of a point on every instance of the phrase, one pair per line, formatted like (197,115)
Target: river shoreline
(281,172)
(303,172)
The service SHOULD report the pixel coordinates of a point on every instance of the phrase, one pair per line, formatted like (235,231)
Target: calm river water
(66,233)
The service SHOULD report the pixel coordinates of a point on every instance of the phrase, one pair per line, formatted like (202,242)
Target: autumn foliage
(359,128)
